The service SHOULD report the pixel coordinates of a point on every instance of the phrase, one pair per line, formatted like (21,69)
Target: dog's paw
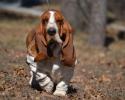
(49,87)
(59,93)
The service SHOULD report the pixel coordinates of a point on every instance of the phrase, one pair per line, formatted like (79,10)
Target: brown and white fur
(51,58)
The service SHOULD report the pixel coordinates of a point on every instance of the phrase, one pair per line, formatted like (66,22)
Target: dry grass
(100,74)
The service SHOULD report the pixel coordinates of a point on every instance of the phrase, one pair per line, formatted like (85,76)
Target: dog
(51,53)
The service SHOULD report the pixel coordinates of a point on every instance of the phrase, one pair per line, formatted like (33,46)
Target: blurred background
(99,39)
(97,18)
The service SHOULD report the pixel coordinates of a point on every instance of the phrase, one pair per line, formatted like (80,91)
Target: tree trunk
(77,12)
(87,15)
(97,22)
(69,9)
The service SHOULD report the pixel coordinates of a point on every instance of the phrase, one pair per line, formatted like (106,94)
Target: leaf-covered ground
(99,75)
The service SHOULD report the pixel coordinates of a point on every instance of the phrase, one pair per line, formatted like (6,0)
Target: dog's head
(53,26)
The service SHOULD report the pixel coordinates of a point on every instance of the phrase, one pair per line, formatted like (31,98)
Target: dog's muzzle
(51,31)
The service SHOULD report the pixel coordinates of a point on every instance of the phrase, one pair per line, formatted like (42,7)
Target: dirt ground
(99,75)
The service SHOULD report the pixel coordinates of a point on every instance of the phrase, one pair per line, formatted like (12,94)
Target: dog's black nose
(51,31)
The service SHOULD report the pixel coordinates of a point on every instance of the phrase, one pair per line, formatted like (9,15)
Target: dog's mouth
(55,38)
(52,41)
(51,48)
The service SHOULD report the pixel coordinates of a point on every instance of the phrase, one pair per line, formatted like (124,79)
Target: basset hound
(51,54)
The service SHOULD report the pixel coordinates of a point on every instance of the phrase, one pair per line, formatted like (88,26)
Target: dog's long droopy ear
(68,51)
(30,43)
(41,43)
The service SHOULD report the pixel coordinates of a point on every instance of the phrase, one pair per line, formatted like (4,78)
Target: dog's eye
(45,21)
(59,21)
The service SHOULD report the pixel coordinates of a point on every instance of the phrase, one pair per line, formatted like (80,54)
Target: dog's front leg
(62,86)
(39,78)
(66,75)
(61,89)
(44,82)
(33,68)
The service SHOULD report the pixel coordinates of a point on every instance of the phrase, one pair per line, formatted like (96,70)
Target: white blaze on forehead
(52,17)
(52,23)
